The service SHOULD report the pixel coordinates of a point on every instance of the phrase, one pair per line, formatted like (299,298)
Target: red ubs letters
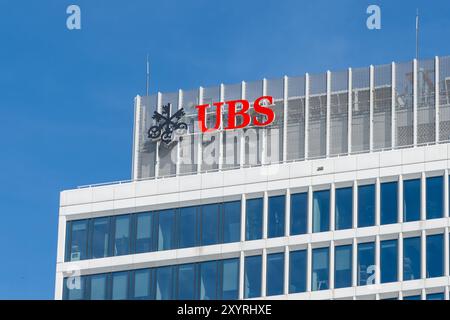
(233,113)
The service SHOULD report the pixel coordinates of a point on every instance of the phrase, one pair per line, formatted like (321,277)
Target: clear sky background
(66,97)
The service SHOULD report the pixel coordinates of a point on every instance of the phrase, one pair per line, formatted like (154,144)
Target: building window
(166,228)
(436,296)
(297,271)
(163,283)
(411,200)
(320,269)
(187,227)
(141,284)
(208,280)
(389,203)
(388,261)
(186,282)
(344,208)
(276,214)
(254,219)
(366,206)
(435,256)
(416,297)
(210,224)
(98,290)
(299,213)
(252,277)
(321,211)
(100,237)
(77,249)
(230,279)
(435,197)
(231,222)
(122,235)
(120,285)
(366,264)
(74,288)
(143,242)
(411,258)
(275,274)
(343,266)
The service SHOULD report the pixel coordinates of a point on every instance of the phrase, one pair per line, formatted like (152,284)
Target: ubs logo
(166,124)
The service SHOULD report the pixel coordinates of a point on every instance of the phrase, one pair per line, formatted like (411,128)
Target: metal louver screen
(296,119)
(444,99)
(404,103)
(317,116)
(339,113)
(382,113)
(426,111)
(360,110)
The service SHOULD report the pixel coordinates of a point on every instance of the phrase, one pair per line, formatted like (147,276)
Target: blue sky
(66,97)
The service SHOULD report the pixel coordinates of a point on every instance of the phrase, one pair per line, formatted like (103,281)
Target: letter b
(233,113)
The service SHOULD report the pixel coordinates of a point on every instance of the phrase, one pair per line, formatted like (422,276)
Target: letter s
(268,112)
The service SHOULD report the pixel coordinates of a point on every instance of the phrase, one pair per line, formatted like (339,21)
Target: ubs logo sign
(166,124)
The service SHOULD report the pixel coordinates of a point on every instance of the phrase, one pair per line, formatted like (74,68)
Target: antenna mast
(148,77)
(417,35)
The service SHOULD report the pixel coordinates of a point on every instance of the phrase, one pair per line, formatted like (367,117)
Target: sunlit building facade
(344,196)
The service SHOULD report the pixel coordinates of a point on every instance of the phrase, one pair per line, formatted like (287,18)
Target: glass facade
(366,264)
(276,218)
(343,266)
(154,231)
(388,203)
(366,206)
(254,219)
(411,200)
(274,275)
(389,261)
(411,258)
(344,208)
(299,214)
(435,197)
(253,277)
(297,271)
(320,269)
(321,211)
(435,255)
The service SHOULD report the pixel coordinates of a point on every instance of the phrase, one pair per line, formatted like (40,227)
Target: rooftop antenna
(147,78)
(417,35)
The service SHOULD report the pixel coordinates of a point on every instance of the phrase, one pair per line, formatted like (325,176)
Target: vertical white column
(136,137)
(355,204)
(265,214)
(331,271)
(377,260)
(287,213)
(332,207)
(377,202)
(436,98)
(446,194)
(200,135)
(306,116)
(350,102)
(309,268)
(415,94)
(221,134)
(446,253)
(264,130)
(423,197)
(180,96)
(264,273)
(241,275)
(423,260)
(354,263)
(400,199)
(242,138)
(285,116)
(393,115)
(328,120)
(286,270)
(243,215)
(158,107)
(310,210)
(400,257)
(371,105)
